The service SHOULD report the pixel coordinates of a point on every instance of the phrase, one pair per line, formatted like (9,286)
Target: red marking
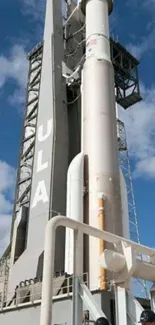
(91,42)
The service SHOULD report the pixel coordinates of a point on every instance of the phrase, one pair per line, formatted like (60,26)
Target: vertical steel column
(120,305)
(78,273)
(152,294)
(48,274)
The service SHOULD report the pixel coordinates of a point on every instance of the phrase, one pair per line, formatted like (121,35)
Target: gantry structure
(127,94)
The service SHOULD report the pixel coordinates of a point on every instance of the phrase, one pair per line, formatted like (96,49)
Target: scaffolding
(4,275)
(24,174)
(140,285)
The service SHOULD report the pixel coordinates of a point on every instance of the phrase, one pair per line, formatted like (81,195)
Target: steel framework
(79,290)
(25,164)
(4,275)
(24,174)
(126,75)
(141,286)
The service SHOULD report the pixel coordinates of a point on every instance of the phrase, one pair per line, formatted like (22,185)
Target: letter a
(42,137)
(40,194)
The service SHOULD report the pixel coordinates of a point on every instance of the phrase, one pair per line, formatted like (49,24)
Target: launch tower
(53,130)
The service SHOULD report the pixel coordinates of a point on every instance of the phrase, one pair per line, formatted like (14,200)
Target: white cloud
(147,41)
(5,205)
(18,97)
(7,176)
(15,67)
(7,183)
(146,44)
(140,127)
(34,8)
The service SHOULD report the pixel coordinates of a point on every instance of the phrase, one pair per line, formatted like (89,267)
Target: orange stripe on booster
(101,215)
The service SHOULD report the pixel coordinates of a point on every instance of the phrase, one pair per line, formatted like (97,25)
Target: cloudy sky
(132,22)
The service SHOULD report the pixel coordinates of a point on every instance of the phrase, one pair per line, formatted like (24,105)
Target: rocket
(97,165)
(93,180)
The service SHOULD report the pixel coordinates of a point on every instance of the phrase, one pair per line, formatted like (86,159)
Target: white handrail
(48,271)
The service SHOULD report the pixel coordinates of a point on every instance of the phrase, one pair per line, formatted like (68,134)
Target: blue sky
(21,28)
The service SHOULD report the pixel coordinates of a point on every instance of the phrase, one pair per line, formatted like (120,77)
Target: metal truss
(126,75)
(125,166)
(4,275)
(133,219)
(24,174)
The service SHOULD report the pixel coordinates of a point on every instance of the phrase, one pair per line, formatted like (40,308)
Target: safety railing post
(78,272)
(120,305)
(79,229)
(152,294)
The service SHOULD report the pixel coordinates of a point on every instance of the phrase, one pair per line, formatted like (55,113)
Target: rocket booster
(99,135)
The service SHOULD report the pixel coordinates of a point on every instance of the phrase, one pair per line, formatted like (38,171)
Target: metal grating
(126,75)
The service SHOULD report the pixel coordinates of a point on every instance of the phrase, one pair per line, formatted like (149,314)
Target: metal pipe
(74,206)
(71,15)
(78,273)
(116,262)
(112,261)
(102,242)
(48,271)
(49,253)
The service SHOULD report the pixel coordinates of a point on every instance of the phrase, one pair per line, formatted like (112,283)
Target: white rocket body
(99,142)
(99,145)
(75,206)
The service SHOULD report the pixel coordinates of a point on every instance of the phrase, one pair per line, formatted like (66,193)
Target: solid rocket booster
(99,135)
